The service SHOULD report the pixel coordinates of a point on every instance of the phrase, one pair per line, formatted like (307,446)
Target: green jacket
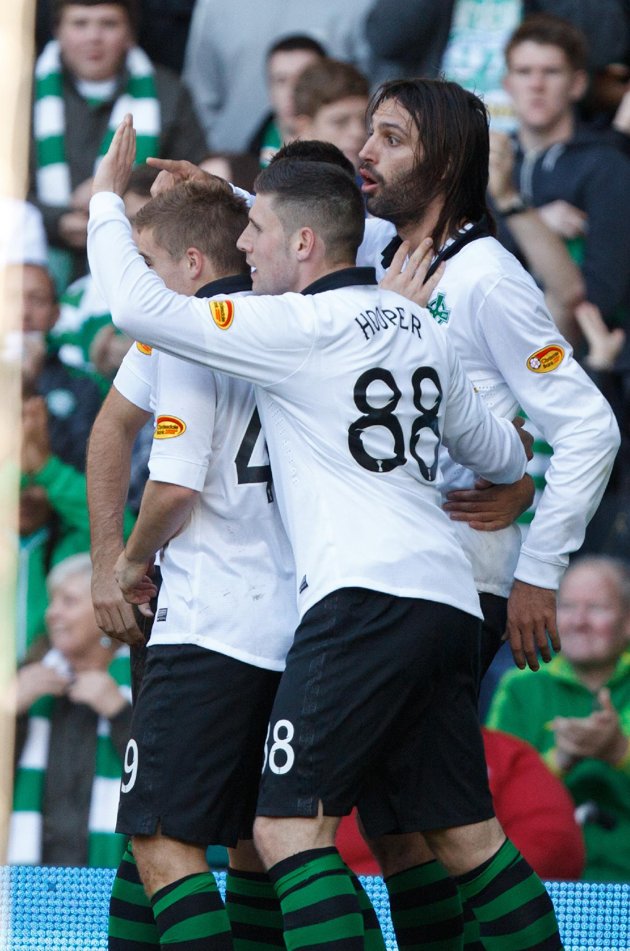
(526,702)
(67,494)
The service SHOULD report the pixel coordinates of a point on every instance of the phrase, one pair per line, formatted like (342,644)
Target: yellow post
(16,64)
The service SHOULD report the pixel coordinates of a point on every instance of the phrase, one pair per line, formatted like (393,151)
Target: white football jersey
(497,321)
(137,375)
(227,577)
(356,388)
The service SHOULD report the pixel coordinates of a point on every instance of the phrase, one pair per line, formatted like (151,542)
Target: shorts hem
(376,829)
(213,837)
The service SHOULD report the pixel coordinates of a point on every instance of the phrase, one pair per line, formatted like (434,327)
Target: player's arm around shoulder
(491,446)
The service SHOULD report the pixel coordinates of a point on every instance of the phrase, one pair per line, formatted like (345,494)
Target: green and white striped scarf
(49,121)
(105,847)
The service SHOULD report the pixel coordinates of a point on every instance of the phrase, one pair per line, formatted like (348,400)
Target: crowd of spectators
(225,86)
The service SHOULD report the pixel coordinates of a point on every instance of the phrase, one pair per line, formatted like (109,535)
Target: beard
(402,201)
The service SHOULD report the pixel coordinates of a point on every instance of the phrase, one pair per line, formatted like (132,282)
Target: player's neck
(309,275)
(416,231)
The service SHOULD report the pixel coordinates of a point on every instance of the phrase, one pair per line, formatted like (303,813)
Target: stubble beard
(402,201)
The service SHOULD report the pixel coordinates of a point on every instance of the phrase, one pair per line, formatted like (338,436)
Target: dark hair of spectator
(453,149)
(132,7)
(325,82)
(209,217)
(244,167)
(296,41)
(141,180)
(320,196)
(548,30)
(313,150)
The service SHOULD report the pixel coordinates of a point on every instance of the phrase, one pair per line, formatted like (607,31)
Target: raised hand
(114,170)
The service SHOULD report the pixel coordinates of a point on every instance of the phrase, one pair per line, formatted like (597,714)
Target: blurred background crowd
(225,85)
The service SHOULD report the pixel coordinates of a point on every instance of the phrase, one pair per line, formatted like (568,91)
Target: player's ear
(305,240)
(194,263)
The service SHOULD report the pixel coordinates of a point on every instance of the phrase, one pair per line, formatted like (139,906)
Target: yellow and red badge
(546,359)
(222,313)
(144,348)
(167,427)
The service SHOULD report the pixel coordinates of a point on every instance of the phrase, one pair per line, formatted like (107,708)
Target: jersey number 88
(426,388)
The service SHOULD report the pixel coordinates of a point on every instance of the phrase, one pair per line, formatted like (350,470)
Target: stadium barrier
(65,909)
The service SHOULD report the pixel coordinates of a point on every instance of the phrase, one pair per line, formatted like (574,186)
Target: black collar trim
(480,229)
(226,285)
(346,277)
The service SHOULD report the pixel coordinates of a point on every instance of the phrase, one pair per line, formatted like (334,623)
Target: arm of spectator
(35,441)
(564,219)
(598,736)
(544,251)
(107,351)
(64,485)
(35,681)
(98,690)
(108,472)
(604,345)
(487,507)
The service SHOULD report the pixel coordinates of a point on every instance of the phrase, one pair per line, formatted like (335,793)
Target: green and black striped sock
(254,911)
(472,939)
(131,922)
(511,904)
(319,902)
(373,937)
(426,908)
(190,915)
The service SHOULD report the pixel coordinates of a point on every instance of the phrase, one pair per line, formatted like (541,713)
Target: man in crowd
(330,99)
(85,81)
(576,712)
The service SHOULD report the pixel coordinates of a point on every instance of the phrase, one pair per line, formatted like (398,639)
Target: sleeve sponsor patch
(144,348)
(167,427)
(222,312)
(546,359)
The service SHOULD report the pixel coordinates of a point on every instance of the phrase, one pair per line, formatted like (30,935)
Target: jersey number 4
(246,473)
(426,389)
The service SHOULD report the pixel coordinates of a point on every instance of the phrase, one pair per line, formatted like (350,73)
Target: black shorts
(193,761)
(378,708)
(493,628)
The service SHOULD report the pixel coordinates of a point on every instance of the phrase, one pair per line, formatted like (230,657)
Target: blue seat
(65,909)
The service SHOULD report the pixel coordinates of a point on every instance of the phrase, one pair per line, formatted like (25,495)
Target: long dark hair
(452,126)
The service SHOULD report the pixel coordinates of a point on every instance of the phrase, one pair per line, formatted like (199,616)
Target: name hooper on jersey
(373,321)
